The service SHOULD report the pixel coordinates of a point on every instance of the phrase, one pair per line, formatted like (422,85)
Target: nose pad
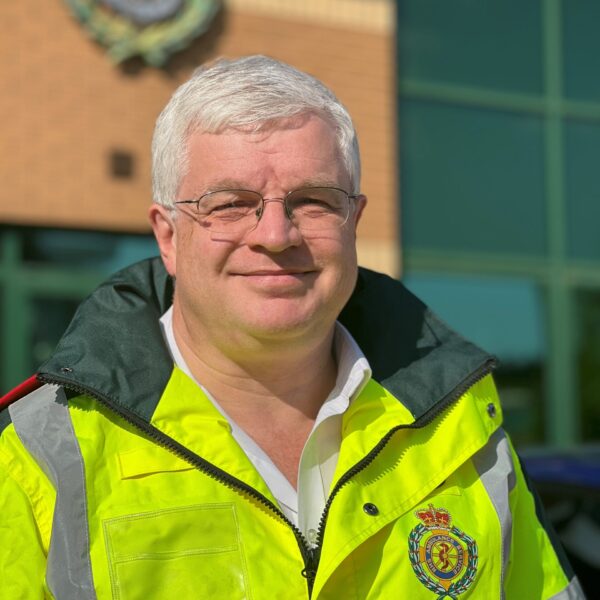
(261,210)
(277,233)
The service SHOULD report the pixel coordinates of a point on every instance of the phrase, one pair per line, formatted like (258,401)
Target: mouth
(279,279)
(278,273)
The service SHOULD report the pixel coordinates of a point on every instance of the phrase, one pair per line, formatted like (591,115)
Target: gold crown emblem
(435,517)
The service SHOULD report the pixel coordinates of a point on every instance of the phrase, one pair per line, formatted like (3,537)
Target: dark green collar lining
(413,354)
(114,347)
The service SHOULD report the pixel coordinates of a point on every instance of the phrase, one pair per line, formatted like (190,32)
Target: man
(278,424)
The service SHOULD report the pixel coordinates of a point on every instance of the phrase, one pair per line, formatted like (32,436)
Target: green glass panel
(471,180)
(100,251)
(4,380)
(588,360)
(582,152)
(505,316)
(14,331)
(493,44)
(64,265)
(50,318)
(581,43)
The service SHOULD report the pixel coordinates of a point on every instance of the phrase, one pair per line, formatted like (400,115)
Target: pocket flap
(150,460)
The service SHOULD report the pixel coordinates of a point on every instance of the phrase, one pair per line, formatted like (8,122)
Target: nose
(274,230)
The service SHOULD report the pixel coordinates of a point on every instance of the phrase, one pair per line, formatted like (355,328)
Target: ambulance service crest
(443,557)
(150,29)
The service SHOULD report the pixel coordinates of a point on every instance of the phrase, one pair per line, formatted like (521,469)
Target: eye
(310,200)
(317,201)
(228,204)
(233,205)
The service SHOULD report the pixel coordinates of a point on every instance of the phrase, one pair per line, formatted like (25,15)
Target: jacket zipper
(310,554)
(476,376)
(196,461)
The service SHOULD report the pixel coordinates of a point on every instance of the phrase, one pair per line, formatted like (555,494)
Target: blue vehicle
(569,485)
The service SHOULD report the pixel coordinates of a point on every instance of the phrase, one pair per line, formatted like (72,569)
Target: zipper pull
(312,557)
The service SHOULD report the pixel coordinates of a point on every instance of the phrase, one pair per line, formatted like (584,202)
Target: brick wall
(65,109)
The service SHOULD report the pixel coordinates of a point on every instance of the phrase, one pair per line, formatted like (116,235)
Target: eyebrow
(225,184)
(233,184)
(318,182)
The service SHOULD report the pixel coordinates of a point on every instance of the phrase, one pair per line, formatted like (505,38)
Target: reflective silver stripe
(572,592)
(496,472)
(44,426)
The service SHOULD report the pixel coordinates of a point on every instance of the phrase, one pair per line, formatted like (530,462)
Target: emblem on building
(443,557)
(152,29)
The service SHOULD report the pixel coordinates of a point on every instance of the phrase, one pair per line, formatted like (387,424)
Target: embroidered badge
(443,557)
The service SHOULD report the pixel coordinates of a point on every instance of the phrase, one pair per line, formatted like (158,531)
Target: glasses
(239,211)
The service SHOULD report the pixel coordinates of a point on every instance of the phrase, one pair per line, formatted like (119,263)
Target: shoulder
(22,390)
(29,385)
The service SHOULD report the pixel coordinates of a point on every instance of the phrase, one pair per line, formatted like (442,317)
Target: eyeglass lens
(310,209)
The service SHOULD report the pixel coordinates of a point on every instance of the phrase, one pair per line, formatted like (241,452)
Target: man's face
(273,282)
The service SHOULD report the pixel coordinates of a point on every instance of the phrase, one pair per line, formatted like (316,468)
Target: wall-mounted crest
(152,29)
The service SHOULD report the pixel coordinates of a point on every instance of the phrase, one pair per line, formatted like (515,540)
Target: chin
(286,324)
(278,327)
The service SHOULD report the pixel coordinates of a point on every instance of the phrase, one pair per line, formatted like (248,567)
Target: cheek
(198,257)
(340,260)
(337,252)
(192,277)
(348,250)
(349,263)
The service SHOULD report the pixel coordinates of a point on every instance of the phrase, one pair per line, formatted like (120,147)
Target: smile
(288,279)
(277,273)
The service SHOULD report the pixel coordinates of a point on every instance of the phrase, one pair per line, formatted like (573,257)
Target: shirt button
(312,535)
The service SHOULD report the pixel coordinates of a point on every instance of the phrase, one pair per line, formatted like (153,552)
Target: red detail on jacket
(28,386)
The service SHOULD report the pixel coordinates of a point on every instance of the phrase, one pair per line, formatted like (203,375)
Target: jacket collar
(113,349)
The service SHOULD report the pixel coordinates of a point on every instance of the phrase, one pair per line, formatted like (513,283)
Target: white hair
(249,94)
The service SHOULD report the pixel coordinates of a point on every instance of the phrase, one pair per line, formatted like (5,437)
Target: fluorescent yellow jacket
(119,479)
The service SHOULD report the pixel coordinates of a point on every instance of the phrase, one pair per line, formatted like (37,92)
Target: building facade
(77,124)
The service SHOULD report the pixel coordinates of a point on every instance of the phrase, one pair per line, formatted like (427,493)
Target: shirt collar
(353,369)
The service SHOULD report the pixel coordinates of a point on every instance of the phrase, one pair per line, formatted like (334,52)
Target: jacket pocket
(179,553)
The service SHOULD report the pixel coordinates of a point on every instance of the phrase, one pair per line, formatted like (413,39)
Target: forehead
(282,155)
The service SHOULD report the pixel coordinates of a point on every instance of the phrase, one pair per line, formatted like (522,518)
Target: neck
(283,380)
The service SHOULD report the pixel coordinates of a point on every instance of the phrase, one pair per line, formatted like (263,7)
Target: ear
(165,233)
(360,203)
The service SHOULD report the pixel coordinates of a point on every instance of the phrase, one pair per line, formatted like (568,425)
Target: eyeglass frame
(261,209)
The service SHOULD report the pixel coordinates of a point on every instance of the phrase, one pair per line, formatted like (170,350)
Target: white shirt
(305,506)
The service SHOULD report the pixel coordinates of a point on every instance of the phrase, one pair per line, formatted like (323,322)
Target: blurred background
(479,122)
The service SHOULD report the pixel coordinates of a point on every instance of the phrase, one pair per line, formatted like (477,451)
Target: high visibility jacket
(119,479)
